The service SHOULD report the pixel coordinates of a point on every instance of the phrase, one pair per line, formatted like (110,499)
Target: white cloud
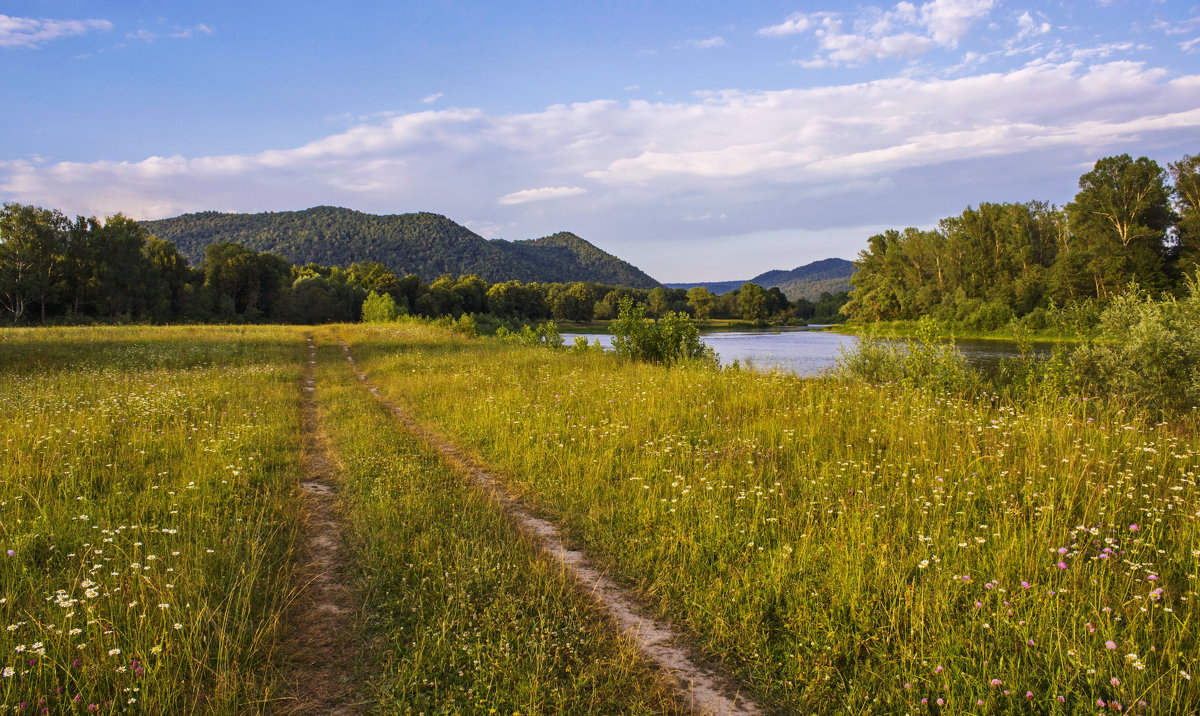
(432,98)
(188,32)
(890,151)
(707,43)
(547,192)
(142,34)
(1190,45)
(1028,27)
(906,30)
(28,32)
(795,24)
(949,20)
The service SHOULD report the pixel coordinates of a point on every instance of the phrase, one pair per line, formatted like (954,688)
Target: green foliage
(1148,351)
(926,361)
(546,335)
(701,301)
(429,245)
(984,268)
(674,338)
(379,309)
(753,302)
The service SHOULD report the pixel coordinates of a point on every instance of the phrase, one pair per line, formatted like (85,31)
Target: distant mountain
(426,244)
(808,281)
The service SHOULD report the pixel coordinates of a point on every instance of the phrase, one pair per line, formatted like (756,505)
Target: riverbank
(909,329)
(710,325)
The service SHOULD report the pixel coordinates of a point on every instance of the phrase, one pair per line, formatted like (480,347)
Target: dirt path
(318,651)
(703,689)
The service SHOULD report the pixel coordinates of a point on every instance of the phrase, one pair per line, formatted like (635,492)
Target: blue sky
(699,140)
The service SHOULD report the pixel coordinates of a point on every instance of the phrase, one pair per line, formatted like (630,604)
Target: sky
(698,140)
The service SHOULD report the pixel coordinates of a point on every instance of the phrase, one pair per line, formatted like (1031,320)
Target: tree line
(53,269)
(1131,222)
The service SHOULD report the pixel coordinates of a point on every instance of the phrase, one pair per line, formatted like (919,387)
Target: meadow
(836,546)
(843,546)
(151,523)
(145,515)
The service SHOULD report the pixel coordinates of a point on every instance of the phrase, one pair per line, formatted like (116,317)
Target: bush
(1149,351)
(924,361)
(671,339)
(378,308)
(545,335)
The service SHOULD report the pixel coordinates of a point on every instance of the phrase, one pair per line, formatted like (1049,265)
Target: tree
(701,301)
(32,245)
(752,300)
(1121,213)
(658,302)
(374,276)
(1185,177)
(575,303)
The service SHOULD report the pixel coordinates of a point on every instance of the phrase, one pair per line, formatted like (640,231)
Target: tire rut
(317,651)
(703,689)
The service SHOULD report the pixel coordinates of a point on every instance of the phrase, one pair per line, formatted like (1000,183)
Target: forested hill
(808,281)
(426,244)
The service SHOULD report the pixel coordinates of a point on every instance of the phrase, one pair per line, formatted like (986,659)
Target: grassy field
(850,547)
(145,515)
(838,547)
(464,615)
(150,523)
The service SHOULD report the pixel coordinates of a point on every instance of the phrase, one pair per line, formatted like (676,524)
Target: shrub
(377,308)
(671,339)
(546,335)
(924,361)
(1148,351)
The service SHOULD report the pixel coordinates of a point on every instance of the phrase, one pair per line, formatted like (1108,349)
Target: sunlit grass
(145,516)
(464,615)
(846,545)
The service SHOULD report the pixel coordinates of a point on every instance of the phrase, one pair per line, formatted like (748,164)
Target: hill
(426,244)
(808,281)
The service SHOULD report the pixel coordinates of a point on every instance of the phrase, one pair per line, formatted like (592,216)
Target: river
(806,351)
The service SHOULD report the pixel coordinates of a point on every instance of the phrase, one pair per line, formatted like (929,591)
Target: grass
(465,616)
(145,516)
(909,329)
(846,546)
(839,546)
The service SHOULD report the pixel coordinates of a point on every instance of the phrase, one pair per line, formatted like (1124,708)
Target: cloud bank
(31,33)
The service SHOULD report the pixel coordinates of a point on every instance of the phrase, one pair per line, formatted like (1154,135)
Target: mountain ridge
(424,243)
(809,281)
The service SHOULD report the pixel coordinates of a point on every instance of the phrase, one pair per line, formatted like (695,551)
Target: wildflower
(12,553)
(1110,645)
(1114,681)
(1062,565)
(1182,673)
(8,671)
(996,682)
(1060,698)
(1024,585)
(941,702)
(1133,528)
(114,652)
(1029,695)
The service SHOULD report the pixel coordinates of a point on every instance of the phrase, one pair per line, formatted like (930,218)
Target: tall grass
(882,549)
(464,615)
(145,516)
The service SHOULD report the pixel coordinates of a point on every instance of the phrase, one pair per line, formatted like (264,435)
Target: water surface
(806,351)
